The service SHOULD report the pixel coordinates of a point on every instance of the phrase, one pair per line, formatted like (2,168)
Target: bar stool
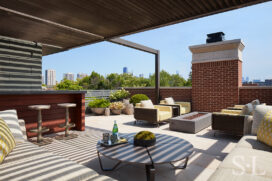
(39,130)
(67,125)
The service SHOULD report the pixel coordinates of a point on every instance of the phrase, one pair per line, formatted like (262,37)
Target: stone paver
(209,150)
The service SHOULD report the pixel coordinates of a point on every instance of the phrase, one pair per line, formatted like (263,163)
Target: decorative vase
(116,111)
(107,112)
(144,143)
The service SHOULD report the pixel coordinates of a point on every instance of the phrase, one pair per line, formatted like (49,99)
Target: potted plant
(116,107)
(98,106)
(145,139)
(137,98)
(119,95)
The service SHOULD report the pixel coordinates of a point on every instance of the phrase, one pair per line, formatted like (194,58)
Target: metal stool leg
(66,122)
(39,138)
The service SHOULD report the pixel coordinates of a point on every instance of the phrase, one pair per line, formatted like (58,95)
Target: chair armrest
(149,114)
(187,105)
(22,127)
(231,123)
(239,106)
(163,108)
(229,111)
(248,124)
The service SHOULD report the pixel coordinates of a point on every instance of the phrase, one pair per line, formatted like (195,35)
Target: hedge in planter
(137,98)
(98,106)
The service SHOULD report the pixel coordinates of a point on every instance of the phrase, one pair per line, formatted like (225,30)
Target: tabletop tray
(111,145)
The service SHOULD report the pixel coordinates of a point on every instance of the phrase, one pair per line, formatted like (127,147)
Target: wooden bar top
(42,92)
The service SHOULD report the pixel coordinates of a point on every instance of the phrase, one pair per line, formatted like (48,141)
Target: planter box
(98,111)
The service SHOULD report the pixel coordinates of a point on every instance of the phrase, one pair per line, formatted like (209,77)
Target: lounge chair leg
(158,125)
(135,122)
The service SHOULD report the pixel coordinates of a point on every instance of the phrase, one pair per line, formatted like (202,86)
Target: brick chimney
(216,75)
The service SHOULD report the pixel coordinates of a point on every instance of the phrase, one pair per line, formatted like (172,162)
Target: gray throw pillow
(247,109)
(258,116)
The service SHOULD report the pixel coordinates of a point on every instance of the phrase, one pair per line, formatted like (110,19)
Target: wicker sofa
(153,114)
(31,162)
(235,121)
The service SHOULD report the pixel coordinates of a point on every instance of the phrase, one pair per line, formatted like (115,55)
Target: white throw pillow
(169,100)
(11,118)
(147,104)
(258,116)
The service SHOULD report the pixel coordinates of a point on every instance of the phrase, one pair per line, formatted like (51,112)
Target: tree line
(96,81)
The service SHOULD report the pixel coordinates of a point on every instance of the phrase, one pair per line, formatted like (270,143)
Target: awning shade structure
(64,24)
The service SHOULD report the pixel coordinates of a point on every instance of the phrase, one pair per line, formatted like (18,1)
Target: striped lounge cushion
(7,142)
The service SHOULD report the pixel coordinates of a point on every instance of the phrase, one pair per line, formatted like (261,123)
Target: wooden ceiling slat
(106,18)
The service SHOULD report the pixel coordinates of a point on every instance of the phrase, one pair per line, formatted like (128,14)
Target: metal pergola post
(148,50)
(157,77)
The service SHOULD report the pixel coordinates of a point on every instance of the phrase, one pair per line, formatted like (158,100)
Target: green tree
(68,85)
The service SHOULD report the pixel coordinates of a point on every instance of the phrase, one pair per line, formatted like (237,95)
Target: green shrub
(99,103)
(137,98)
(144,135)
(119,95)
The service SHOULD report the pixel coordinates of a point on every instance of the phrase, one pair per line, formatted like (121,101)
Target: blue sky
(251,24)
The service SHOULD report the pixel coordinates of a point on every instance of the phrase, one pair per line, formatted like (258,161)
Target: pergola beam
(155,52)
(133,45)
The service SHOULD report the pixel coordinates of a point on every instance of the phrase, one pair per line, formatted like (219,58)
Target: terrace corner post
(157,77)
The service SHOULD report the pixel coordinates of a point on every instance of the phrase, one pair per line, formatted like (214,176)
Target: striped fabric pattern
(7,142)
(11,118)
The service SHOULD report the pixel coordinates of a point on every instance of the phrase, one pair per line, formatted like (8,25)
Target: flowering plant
(119,95)
(116,105)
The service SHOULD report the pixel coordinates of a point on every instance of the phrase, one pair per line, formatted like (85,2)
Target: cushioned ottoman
(191,123)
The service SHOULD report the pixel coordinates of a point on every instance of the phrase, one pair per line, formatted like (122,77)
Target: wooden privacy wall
(20,64)
(52,117)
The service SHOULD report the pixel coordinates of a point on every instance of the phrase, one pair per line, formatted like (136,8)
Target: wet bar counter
(53,117)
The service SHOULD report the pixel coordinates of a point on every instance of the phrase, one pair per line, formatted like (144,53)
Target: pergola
(60,25)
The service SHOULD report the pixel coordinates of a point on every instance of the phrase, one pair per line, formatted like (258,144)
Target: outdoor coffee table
(168,149)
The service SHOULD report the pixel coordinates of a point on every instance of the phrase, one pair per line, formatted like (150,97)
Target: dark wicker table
(167,150)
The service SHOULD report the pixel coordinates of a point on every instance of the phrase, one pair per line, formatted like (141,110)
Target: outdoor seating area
(211,126)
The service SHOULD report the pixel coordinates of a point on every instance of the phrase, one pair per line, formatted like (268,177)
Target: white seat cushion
(11,118)
(147,104)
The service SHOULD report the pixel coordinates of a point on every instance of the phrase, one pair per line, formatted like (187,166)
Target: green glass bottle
(115,130)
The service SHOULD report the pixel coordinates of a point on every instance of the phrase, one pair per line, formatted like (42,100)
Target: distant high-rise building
(141,75)
(125,70)
(81,75)
(256,81)
(50,77)
(69,76)
(247,79)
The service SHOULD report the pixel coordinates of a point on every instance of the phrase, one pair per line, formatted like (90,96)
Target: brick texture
(179,93)
(215,85)
(247,94)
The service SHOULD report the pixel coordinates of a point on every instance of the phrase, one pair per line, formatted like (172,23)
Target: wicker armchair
(184,107)
(154,115)
(234,124)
